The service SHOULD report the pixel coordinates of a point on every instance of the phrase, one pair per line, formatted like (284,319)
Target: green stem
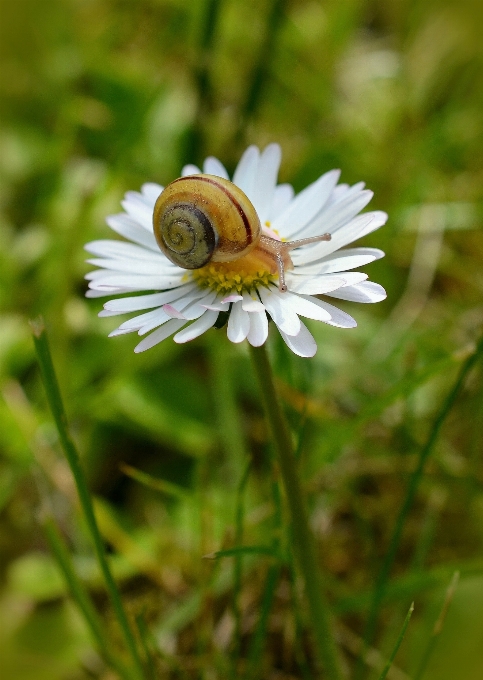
(302,537)
(57,408)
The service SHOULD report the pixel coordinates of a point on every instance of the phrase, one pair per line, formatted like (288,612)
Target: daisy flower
(306,233)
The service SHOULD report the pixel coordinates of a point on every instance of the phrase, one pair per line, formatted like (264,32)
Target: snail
(203,218)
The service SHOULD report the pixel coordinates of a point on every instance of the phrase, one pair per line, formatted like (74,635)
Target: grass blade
(438,626)
(244,550)
(255,652)
(398,643)
(81,597)
(56,406)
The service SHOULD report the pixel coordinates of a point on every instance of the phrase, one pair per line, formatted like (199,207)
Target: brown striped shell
(203,218)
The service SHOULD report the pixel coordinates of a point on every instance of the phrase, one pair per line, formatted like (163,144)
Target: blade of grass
(438,627)
(201,73)
(243,550)
(407,585)
(398,643)
(273,575)
(381,581)
(145,638)
(154,483)
(261,69)
(57,408)
(256,646)
(81,597)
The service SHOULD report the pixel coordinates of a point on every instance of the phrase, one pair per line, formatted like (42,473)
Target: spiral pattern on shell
(188,238)
(201,218)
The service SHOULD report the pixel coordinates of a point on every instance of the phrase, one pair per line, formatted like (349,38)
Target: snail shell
(203,218)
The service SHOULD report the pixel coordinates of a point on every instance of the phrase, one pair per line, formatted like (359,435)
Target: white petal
(258,328)
(138,197)
(314,285)
(343,190)
(151,191)
(173,313)
(306,306)
(156,316)
(156,266)
(212,166)
(149,320)
(139,209)
(266,180)
(336,216)
(190,170)
(104,312)
(337,316)
(197,328)
(133,282)
(341,261)
(357,228)
(129,228)
(103,288)
(284,317)
(244,176)
(189,307)
(198,307)
(302,344)
(232,298)
(159,317)
(109,249)
(251,303)
(96,274)
(159,335)
(362,292)
(338,193)
(238,323)
(305,206)
(282,196)
(102,293)
(120,331)
(218,305)
(139,302)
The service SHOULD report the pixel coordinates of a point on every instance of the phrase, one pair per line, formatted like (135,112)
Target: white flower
(186,303)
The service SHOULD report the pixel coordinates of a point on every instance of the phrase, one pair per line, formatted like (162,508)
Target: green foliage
(99,97)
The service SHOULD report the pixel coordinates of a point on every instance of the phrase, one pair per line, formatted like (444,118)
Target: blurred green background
(99,96)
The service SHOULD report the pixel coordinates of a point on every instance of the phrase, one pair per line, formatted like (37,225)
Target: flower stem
(57,408)
(302,537)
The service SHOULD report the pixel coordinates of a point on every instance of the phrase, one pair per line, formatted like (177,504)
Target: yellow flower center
(246,273)
(223,277)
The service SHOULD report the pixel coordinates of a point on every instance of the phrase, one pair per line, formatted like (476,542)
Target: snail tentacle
(279,251)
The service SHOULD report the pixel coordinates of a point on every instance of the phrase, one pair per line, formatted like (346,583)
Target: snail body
(203,218)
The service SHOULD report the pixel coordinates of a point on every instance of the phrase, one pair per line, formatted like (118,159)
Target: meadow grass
(144,532)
